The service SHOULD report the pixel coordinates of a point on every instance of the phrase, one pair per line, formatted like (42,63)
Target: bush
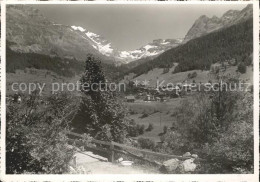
(140,129)
(165,129)
(192,75)
(241,68)
(146,143)
(134,129)
(144,115)
(35,139)
(220,129)
(165,70)
(150,127)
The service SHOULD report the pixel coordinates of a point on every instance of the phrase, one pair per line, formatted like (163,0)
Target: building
(130,98)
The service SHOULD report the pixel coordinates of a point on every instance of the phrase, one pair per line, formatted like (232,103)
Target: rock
(187,154)
(188,165)
(194,156)
(119,160)
(170,166)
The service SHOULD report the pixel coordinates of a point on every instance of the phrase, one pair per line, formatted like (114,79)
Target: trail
(94,164)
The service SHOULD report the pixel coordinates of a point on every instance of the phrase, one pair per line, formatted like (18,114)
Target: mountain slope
(235,42)
(205,25)
(64,67)
(30,32)
(106,48)
(153,49)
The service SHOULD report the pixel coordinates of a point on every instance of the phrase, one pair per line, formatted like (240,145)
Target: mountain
(233,42)
(106,48)
(97,42)
(204,25)
(30,32)
(153,49)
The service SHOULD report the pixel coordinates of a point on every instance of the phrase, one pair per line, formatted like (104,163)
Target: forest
(234,42)
(62,66)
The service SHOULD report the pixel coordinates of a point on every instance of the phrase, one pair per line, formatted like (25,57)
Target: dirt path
(94,164)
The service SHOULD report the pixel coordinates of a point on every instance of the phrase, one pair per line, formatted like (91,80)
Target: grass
(35,76)
(202,76)
(159,114)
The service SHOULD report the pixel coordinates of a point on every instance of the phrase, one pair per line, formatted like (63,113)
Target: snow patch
(91,34)
(106,49)
(78,28)
(149,47)
(164,43)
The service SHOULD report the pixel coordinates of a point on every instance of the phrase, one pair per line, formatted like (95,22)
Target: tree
(217,125)
(100,115)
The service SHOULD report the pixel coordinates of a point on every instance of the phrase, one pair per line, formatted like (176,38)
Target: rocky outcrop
(175,166)
(170,166)
(188,166)
(204,25)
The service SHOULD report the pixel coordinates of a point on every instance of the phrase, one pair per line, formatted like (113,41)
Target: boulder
(170,166)
(119,160)
(187,154)
(194,156)
(188,165)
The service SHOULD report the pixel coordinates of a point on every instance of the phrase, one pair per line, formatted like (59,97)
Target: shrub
(150,127)
(146,143)
(192,75)
(144,115)
(220,129)
(133,129)
(241,68)
(165,129)
(140,129)
(165,70)
(35,139)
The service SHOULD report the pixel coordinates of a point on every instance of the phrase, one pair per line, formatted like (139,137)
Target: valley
(170,119)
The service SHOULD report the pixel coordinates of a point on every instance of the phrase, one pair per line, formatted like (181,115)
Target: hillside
(31,32)
(48,68)
(232,42)
(204,25)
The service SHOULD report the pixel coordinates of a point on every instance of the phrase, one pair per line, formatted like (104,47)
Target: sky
(129,26)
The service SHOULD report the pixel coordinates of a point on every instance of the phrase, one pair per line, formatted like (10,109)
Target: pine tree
(100,114)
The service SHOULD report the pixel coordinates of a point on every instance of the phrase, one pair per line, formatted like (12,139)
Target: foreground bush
(146,143)
(219,127)
(35,139)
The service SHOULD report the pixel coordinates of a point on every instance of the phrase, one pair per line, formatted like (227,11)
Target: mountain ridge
(105,47)
(31,32)
(204,25)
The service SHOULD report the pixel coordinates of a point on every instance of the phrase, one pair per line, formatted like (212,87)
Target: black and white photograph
(130,89)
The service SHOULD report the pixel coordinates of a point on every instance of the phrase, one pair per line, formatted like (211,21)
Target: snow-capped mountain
(97,41)
(27,31)
(30,32)
(155,48)
(105,47)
